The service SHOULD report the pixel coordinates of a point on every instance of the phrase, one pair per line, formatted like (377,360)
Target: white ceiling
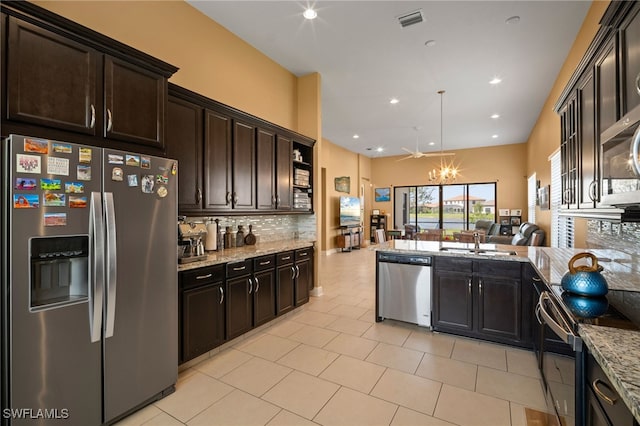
(366,58)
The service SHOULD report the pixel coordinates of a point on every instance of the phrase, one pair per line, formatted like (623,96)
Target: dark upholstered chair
(528,234)
(488,226)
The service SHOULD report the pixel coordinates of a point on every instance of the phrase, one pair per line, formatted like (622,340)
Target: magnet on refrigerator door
(36,145)
(54,199)
(117,174)
(145,162)
(132,160)
(26,201)
(162,192)
(61,148)
(28,163)
(55,219)
(147,184)
(50,184)
(73,187)
(84,172)
(116,159)
(76,202)
(84,155)
(132,180)
(25,184)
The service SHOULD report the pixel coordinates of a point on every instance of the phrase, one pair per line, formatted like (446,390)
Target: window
(532,194)
(452,207)
(561,226)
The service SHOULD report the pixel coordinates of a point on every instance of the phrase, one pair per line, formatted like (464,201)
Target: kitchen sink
(483,252)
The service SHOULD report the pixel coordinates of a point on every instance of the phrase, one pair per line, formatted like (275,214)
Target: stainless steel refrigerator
(89,283)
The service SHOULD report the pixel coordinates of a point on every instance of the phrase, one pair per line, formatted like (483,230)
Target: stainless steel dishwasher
(403,288)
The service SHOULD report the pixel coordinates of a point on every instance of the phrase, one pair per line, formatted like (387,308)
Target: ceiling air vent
(411,18)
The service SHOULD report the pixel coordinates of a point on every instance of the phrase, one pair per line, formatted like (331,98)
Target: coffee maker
(191,237)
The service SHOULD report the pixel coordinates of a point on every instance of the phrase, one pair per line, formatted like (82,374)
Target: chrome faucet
(476,240)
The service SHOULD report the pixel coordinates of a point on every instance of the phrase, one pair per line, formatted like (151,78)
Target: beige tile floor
(330,363)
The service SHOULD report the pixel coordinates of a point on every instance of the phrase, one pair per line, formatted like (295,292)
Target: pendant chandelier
(447,172)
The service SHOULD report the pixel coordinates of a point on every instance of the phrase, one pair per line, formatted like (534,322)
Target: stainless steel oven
(621,162)
(561,360)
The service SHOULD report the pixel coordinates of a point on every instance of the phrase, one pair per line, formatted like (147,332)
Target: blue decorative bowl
(585,280)
(585,307)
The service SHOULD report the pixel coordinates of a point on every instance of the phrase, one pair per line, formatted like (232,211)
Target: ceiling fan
(418,154)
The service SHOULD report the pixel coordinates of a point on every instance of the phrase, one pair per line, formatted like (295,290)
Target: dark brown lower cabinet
(479,298)
(303,275)
(264,289)
(239,298)
(202,311)
(285,294)
(604,405)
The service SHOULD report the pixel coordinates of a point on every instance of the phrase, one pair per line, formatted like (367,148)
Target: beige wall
(545,136)
(504,164)
(212,61)
(337,162)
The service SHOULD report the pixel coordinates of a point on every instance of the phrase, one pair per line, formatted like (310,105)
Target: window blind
(532,189)
(561,226)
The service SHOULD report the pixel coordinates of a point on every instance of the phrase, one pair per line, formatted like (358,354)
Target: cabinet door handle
(221,295)
(273,200)
(297,271)
(638,84)
(228,198)
(202,277)
(242,268)
(277,200)
(469,286)
(235,198)
(609,400)
(480,287)
(257,284)
(198,195)
(293,273)
(286,258)
(109,120)
(250,285)
(92,121)
(536,279)
(265,263)
(304,254)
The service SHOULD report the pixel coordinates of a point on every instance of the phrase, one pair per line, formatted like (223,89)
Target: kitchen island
(615,350)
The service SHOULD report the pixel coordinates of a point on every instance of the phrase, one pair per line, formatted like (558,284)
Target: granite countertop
(616,350)
(246,252)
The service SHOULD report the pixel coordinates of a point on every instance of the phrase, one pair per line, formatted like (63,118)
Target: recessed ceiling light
(513,20)
(495,80)
(394,101)
(356,136)
(432,143)
(379,149)
(310,14)
(494,136)
(430,43)
(494,116)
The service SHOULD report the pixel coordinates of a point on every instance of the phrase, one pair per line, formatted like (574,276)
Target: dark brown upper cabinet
(52,80)
(630,46)
(244,165)
(65,81)
(184,143)
(234,163)
(217,162)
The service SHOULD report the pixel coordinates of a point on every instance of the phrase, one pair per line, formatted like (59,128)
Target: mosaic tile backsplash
(620,236)
(269,228)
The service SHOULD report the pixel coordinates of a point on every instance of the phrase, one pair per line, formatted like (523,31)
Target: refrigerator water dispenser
(59,271)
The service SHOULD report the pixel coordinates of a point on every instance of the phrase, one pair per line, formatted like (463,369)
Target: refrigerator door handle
(110,223)
(96,238)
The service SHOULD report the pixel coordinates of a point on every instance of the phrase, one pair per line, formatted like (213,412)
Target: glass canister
(240,236)
(229,238)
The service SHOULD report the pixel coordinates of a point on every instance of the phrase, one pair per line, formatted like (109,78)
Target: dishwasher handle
(405,260)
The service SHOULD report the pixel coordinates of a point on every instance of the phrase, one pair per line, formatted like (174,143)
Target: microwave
(620,159)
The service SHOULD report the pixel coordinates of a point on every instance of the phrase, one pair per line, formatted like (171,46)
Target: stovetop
(618,309)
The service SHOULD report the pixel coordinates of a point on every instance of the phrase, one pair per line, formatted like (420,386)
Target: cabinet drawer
(284,258)
(201,276)
(264,262)
(237,269)
(612,404)
(304,254)
(499,268)
(454,264)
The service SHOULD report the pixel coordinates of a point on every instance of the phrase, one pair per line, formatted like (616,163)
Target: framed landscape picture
(383,194)
(543,197)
